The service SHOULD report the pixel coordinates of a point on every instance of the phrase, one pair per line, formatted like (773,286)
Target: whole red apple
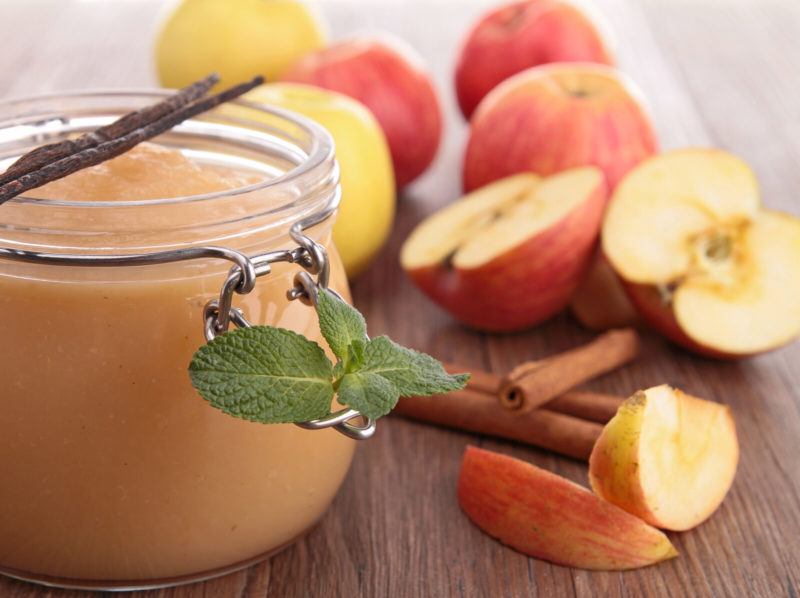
(389,78)
(558,116)
(521,35)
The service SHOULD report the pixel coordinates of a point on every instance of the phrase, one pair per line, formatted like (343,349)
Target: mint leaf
(264,374)
(411,372)
(355,355)
(340,323)
(371,394)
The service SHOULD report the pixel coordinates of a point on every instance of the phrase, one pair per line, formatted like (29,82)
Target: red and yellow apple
(558,116)
(600,301)
(549,517)
(510,254)
(701,260)
(666,457)
(237,39)
(389,78)
(520,35)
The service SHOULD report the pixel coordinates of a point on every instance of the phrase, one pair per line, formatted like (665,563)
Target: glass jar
(114,473)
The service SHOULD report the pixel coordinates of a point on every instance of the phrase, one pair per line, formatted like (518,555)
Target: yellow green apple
(367,210)
(236,38)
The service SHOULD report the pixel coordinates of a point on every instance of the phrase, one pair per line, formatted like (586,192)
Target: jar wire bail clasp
(220,313)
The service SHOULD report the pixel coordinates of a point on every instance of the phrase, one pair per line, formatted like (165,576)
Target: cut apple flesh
(665,203)
(497,218)
(752,304)
(689,222)
(441,235)
(666,457)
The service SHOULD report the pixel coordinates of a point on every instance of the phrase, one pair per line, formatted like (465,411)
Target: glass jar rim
(321,150)
(322,145)
(294,153)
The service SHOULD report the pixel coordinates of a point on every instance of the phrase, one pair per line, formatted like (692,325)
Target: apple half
(666,457)
(509,255)
(701,260)
(549,517)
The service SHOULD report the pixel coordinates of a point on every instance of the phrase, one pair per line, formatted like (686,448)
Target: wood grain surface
(714,72)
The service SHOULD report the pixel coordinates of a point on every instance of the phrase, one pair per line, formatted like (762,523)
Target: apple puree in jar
(111,466)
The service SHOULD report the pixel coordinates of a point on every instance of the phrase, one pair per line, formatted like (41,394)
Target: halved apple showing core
(701,260)
(509,254)
(666,457)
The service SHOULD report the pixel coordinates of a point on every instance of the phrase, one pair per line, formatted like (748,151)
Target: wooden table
(722,73)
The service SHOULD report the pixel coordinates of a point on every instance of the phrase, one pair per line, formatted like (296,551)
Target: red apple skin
(546,516)
(525,285)
(521,35)
(389,79)
(531,122)
(647,301)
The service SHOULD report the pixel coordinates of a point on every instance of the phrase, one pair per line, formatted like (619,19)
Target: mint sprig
(274,375)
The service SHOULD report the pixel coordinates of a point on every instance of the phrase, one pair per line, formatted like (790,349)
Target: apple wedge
(600,301)
(666,457)
(702,262)
(549,517)
(510,254)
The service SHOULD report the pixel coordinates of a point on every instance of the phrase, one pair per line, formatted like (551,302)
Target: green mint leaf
(338,373)
(355,355)
(264,374)
(371,394)
(340,323)
(411,372)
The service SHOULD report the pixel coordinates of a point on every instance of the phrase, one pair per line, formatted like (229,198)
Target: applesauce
(113,471)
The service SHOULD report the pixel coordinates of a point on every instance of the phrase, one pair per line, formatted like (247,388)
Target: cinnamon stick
(592,406)
(533,384)
(477,411)
(584,404)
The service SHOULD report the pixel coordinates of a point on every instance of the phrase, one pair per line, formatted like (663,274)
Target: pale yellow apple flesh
(690,223)
(497,218)
(666,457)
(442,234)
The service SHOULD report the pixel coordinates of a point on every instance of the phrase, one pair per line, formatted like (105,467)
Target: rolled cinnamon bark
(478,379)
(584,404)
(593,406)
(477,411)
(531,385)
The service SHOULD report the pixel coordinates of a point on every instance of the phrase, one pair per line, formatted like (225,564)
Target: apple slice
(666,457)
(702,262)
(549,517)
(600,301)
(510,254)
